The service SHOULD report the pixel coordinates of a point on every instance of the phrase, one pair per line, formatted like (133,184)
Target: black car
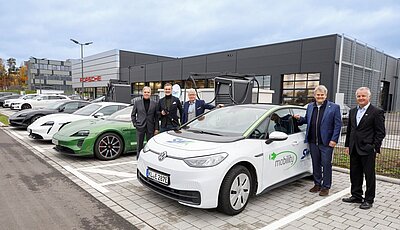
(26,117)
(4,98)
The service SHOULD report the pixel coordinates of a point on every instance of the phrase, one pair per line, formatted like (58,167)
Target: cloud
(187,27)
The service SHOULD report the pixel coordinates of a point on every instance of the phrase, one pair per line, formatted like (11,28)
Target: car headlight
(206,161)
(16,103)
(49,123)
(81,133)
(146,148)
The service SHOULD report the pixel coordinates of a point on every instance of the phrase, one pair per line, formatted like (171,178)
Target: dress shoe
(324,192)
(315,189)
(352,199)
(366,205)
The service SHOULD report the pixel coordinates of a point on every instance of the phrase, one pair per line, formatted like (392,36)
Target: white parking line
(118,181)
(101,166)
(304,211)
(86,179)
(109,172)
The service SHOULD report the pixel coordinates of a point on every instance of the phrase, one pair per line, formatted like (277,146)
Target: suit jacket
(200,106)
(173,111)
(331,122)
(368,135)
(141,119)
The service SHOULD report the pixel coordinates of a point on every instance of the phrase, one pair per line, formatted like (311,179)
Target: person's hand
(156,132)
(346,150)
(332,144)
(220,105)
(163,113)
(297,116)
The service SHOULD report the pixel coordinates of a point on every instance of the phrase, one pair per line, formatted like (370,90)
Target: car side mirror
(276,136)
(98,115)
(61,109)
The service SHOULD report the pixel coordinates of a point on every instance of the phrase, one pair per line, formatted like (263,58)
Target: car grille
(190,197)
(63,149)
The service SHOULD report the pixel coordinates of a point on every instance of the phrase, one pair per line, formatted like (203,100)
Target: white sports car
(223,157)
(45,127)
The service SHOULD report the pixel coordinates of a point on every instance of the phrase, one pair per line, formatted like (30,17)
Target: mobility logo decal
(306,152)
(286,159)
(180,141)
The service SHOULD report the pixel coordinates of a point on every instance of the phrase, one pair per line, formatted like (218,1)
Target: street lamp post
(81,44)
(37,60)
(129,79)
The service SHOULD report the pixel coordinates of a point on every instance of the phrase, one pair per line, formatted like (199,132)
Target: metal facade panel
(172,70)
(196,64)
(221,62)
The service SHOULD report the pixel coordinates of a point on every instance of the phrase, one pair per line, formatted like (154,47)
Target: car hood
(182,143)
(30,112)
(60,118)
(92,124)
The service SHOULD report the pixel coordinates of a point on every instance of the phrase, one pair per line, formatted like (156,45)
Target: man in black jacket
(365,133)
(168,107)
(145,118)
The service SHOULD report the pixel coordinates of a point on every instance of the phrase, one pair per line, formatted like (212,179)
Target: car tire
(26,106)
(109,146)
(34,118)
(235,191)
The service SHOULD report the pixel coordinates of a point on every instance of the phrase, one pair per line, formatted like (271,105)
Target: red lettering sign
(90,79)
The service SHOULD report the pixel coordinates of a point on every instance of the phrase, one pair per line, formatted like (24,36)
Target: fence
(388,161)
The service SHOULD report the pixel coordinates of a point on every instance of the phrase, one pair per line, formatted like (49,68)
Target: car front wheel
(108,146)
(26,106)
(235,191)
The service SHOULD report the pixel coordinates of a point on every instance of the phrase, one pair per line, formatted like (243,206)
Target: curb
(378,177)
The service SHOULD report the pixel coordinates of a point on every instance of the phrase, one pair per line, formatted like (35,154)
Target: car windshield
(30,96)
(122,115)
(54,105)
(233,120)
(87,110)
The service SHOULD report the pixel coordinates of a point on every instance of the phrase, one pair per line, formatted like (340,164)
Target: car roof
(269,106)
(104,103)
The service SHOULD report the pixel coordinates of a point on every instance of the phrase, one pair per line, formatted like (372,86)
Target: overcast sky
(181,28)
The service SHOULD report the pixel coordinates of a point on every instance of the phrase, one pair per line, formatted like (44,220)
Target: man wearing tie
(365,133)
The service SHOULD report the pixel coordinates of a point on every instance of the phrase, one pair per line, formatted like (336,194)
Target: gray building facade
(292,69)
(49,74)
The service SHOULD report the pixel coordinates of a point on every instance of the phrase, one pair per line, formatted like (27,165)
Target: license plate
(157,176)
(54,141)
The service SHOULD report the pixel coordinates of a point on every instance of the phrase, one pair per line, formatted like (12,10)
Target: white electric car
(221,158)
(8,103)
(45,127)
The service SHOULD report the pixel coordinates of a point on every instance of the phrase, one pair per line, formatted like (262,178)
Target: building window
(264,81)
(298,89)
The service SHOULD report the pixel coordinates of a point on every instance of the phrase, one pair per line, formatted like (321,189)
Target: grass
(387,162)
(4,119)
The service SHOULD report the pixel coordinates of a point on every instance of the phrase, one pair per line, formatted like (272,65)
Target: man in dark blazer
(145,119)
(168,108)
(324,123)
(365,133)
(193,107)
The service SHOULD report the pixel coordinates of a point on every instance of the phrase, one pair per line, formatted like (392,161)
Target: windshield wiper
(203,132)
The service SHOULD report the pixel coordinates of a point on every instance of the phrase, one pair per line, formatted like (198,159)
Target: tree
(3,74)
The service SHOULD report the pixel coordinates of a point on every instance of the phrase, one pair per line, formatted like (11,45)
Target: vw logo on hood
(162,155)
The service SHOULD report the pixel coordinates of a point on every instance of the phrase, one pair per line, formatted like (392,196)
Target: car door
(283,159)
(70,107)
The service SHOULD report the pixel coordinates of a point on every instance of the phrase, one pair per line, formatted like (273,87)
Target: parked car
(99,99)
(106,139)
(26,117)
(2,94)
(75,97)
(4,98)
(38,102)
(225,156)
(45,127)
(8,102)
(345,110)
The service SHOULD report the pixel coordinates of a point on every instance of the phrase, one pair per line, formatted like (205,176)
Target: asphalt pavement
(34,195)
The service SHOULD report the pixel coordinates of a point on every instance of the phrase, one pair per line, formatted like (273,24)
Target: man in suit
(168,108)
(365,133)
(145,119)
(193,107)
(324,123)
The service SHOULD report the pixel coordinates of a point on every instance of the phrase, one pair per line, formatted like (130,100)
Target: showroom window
(298,89)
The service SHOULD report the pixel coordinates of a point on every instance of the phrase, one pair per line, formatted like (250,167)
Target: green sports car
(106,139)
